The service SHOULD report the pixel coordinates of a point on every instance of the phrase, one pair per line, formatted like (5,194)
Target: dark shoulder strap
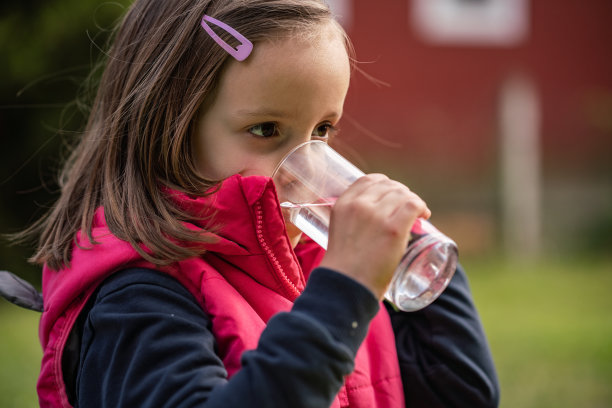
(20,292)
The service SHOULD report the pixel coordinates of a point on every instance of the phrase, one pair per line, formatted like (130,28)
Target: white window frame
(475,22)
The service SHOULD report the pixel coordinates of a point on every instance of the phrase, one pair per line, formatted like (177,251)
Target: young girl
(171,278)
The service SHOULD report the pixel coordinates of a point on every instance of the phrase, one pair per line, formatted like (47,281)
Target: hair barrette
(241,52)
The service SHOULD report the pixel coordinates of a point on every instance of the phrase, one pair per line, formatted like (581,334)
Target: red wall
(441,102)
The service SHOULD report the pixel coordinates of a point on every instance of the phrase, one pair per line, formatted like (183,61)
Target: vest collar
(250,231)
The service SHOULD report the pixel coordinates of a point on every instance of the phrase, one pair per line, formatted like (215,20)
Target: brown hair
(161,68)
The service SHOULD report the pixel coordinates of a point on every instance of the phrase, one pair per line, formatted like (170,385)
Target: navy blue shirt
(145,342)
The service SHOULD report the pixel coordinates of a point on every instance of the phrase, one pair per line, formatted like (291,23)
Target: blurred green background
(547,315)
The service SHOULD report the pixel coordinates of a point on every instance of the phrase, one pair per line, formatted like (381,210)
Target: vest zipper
(288,285)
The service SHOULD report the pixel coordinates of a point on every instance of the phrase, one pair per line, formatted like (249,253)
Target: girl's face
(287,92)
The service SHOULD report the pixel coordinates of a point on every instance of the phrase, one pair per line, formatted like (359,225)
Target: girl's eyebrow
(260,112)
(276,113)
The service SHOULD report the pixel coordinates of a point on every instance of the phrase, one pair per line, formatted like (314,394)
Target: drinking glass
(309,180)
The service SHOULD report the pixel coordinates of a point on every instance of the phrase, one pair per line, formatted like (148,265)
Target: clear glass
(308,181)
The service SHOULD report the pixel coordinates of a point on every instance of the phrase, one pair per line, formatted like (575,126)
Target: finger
(401,209)
(362,184)
(375,187)
(392,195)
(410,210)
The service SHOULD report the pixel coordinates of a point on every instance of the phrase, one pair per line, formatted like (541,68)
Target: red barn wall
(441,102)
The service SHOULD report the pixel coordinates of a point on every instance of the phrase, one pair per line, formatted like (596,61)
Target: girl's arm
(443,352)
(147,343)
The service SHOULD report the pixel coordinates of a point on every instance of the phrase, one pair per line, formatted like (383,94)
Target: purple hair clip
(241,52)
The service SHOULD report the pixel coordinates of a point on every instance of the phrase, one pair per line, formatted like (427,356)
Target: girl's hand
(370,228)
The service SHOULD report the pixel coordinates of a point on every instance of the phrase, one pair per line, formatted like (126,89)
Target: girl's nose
(301,164)
(279,156)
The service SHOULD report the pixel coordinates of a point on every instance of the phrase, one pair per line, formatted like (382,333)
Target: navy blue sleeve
(443,352)
(147,343)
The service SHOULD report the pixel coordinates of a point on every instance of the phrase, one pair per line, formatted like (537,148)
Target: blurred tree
(49,49)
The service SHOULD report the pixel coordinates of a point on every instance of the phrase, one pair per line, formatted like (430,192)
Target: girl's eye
(324,130)
(268,129)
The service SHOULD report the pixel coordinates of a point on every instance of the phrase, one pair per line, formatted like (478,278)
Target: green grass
(549,325)
(550,330)
(20,354)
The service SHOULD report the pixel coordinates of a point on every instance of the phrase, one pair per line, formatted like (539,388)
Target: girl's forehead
(296,55)
(287,74)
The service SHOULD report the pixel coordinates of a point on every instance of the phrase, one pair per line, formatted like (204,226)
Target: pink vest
(246,276)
